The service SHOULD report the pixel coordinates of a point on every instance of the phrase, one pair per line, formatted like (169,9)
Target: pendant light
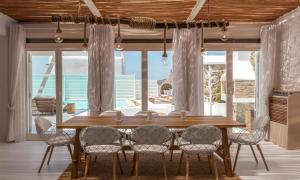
(202,49)
(164,59)
(224,32)
(85,44)
(58,38)
(119,46)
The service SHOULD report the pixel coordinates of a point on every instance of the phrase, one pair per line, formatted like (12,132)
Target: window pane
(41,75)
(128,79)
(160,94)
(244,65)
(215,83)
(74,83)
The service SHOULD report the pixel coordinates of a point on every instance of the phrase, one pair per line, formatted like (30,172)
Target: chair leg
(198,157)
(87,164)
(46,153)
(215,167)
(180,162)
(187,167)
(133,164)
(124,154)
(253,154)
(164,166)
(119,164)
(209,163)
(51,150)
(70,150)
(237,156)
(262,155)
(172,146)
(137,166)
(114,166)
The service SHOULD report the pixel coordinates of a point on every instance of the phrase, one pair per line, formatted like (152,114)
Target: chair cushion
(198,148)
(149,148)
(59,140)
(102,149)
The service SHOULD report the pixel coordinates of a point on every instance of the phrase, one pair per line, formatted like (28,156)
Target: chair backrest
(261,122)
(145,113)
(202,134)
(98,135)
(178,113)
(42,124)
(110,113)
(151,134)
(45,104)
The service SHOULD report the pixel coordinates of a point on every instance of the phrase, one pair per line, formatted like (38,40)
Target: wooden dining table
(128,122)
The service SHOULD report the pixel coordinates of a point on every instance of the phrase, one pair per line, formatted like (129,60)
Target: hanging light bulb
(58,38)
(119,46)
(224,32)
(164,59)
(85,44)
(202,49)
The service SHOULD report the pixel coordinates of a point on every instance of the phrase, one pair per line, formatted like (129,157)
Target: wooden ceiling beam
(92,7)
(196,9)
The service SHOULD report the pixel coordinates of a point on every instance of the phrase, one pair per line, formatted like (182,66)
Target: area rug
(150,168)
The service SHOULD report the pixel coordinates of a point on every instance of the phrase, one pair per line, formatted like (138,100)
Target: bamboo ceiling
(179,10)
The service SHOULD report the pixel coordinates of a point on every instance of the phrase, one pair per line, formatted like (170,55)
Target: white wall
(4,23)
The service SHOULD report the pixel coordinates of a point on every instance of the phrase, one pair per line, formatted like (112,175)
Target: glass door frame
(58,49)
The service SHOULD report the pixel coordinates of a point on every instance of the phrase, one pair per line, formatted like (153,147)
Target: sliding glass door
(160,77)
(74,83)
(244,85)
(128,79)
(214,70)
(41,84)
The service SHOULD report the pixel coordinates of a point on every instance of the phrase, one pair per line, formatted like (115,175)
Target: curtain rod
(158,25)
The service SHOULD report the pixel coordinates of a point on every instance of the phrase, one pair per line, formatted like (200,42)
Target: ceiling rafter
(196,9)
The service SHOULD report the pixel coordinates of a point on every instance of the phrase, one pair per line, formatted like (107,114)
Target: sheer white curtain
(101,69)
(17,86)
(279,65)
(188,71)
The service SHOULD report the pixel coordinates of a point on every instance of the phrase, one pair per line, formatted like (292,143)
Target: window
(128,79)
(74,83)
(41,86)
(244,81)
(215,83)
(160,95)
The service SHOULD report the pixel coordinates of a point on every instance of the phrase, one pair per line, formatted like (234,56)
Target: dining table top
(79,122)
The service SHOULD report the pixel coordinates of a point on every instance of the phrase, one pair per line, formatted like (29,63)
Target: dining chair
(97,140)
(124,132)
(145,113)
(199,139)
(179,131)
(150,139)
(52,137)
(250,136)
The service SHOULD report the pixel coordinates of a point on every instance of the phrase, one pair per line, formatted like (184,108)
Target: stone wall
(244,88)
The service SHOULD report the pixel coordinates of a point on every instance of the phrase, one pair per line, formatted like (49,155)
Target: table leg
(76,156)
(226,153)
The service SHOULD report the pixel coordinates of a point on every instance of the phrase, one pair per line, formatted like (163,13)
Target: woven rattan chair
(150,139)
(199,139)
(250,137)
(124,132)
(98,140)
(52,137)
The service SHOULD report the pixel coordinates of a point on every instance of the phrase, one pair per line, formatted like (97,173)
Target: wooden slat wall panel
(232,10)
